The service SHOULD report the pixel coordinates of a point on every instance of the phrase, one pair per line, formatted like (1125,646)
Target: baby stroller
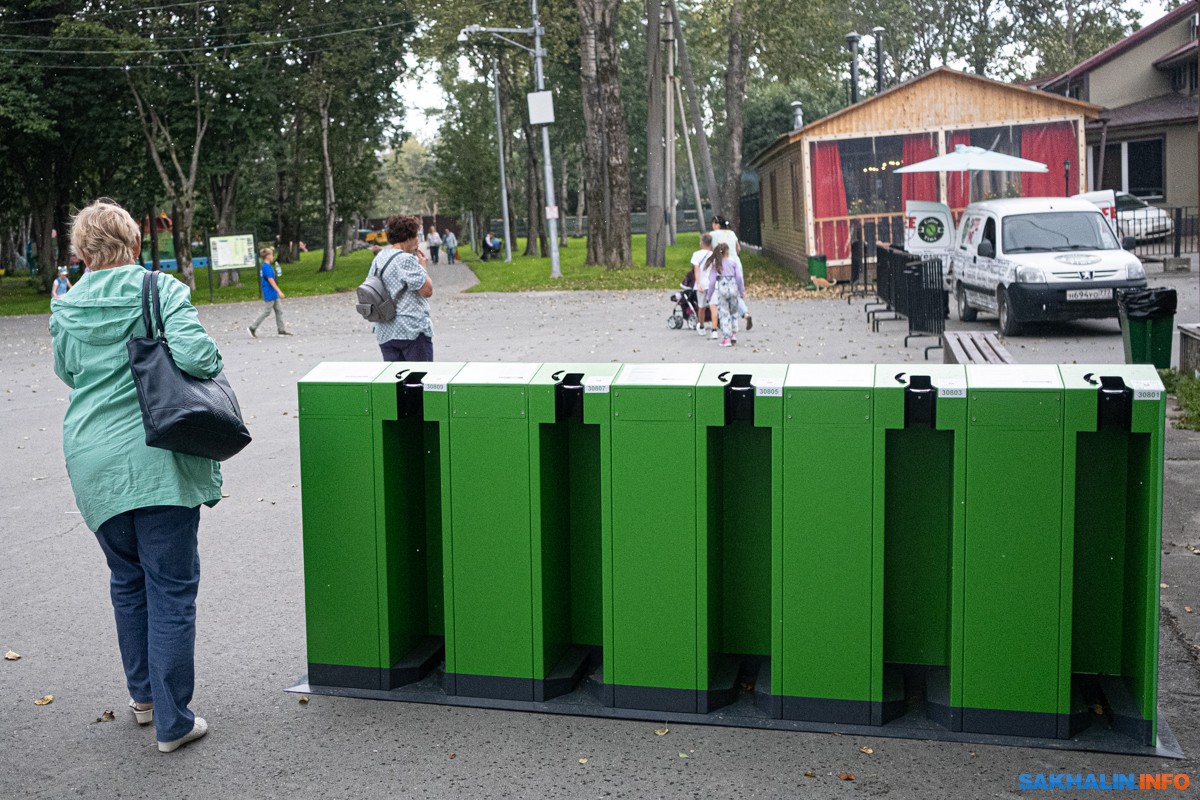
(685,313)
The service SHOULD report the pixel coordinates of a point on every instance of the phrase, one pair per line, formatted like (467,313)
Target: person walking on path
(721,234)
(435,241)
(450,241)
(142,503)
(62,284)
(408,336)
(271,294)
(702,268)
(730,287)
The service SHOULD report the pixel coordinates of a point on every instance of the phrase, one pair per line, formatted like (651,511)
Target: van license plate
(1089,294)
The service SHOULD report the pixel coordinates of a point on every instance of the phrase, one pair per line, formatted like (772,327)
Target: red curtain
(958,184)
(829,200)
(1051,144)
(918,185)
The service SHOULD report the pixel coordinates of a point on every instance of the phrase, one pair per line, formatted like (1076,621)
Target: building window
(774,201)
(1145,169)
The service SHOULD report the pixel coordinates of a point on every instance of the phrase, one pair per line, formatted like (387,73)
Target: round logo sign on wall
(931,230)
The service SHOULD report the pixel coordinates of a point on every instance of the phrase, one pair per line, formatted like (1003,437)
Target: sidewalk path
(54,607)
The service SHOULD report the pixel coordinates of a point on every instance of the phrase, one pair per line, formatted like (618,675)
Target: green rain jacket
(111,468)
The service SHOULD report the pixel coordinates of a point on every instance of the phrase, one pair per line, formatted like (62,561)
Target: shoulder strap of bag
(162,329)
(388,263)
(147,281)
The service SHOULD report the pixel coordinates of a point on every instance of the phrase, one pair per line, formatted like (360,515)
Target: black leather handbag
(181,413)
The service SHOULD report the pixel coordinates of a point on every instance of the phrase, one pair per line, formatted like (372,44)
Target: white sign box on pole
(541,108)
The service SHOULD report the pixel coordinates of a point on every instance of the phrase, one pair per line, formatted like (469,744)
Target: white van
(1033,259)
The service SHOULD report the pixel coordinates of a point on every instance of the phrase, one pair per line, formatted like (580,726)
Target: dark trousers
(155,568)
(433,252)
(418,349)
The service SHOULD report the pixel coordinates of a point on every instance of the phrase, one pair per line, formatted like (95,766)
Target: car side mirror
(1128,243)
(987,249)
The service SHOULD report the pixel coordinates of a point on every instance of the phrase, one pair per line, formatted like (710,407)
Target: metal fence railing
(909,288)
(1158,237)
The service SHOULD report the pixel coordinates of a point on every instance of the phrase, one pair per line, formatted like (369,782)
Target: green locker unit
(1013,594)
(824,604)
(651,646)
(371,517)
(567,551)
(486,495)
(1112,540)
(739,431)
(920,480)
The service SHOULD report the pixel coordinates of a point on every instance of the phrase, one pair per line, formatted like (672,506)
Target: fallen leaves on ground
(846,776)
(106,716)
(1098,710)
(1188,609)
(583,761)
(453,756)
(808,773)
(662,731)
(11,656)
(866,750)
(303,699)
(44,701)
(684,755)
(1164,586)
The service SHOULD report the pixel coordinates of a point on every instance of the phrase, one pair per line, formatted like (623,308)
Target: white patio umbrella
(975,159)
(967,158)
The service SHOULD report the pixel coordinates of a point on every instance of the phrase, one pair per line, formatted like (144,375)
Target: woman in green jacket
(143,503)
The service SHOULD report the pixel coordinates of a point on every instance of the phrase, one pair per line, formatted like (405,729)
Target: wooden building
(834,181)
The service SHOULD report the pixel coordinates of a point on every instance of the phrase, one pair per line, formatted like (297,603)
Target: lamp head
(852,41)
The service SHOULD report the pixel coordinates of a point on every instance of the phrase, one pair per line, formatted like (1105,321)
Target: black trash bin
(1147,323)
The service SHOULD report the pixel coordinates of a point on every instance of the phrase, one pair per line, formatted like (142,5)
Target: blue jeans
(155,567)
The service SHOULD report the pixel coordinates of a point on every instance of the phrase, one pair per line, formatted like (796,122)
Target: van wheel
(965,312)
(1009,326)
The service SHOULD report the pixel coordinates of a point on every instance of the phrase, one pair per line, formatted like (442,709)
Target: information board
(232,252)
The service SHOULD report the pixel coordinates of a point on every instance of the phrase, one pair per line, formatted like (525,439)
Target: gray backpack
(375,302)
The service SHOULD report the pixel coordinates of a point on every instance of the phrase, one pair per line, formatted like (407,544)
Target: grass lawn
(527,273)
(764,278)
(19,296)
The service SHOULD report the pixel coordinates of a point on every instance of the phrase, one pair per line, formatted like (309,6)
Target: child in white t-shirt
(703,271)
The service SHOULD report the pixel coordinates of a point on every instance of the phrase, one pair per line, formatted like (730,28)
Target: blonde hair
(266,251)
(105,235)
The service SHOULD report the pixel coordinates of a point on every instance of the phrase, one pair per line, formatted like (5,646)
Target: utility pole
(503,182)
(547,165)
(669,183)
(545,109)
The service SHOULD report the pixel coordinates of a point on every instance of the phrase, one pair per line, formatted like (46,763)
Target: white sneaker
(700,330)
(198,729)
(144,716)
(716,334)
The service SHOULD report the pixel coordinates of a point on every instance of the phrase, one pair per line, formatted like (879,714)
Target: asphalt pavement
(264,743)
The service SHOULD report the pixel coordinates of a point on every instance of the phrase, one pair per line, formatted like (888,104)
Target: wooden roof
(942,97)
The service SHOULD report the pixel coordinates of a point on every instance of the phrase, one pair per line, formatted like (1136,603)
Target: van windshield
(1058,231)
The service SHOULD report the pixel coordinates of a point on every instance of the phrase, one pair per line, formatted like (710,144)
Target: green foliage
(1186,390)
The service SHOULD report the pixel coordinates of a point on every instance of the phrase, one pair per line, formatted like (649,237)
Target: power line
(167,38)
(158,66)
(234,46)
(112,12)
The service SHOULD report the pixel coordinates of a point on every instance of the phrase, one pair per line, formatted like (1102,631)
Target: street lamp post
(1067,177)
(503,181)
(547,167)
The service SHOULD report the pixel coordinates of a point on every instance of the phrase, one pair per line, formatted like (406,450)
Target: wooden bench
(974,347)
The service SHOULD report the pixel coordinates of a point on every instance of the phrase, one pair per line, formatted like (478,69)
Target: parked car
(1136,217)
(1027,259)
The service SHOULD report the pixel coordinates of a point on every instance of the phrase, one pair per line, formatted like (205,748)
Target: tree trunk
(532,195)
(222,196)
(580,199)
(710,176)
(565,236)
(183,214)
(330,252)
(43,239)
(349,229)
(155,261)
(656,240)
(735,92)
(606,143)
